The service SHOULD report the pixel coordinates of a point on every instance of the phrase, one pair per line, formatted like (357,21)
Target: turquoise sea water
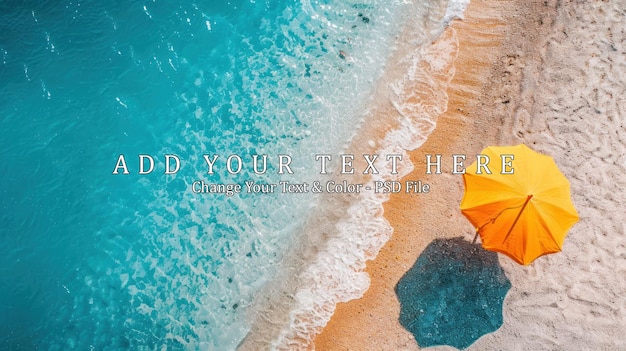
(90,260)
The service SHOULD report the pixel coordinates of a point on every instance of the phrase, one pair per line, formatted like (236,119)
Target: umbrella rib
(493,219)
(517,218)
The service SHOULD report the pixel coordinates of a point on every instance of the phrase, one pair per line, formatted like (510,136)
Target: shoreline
(326,263)
(468,125)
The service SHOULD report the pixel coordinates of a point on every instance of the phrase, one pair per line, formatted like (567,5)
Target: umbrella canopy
(525,214)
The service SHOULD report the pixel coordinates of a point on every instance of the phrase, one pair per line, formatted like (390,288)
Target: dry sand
(552,75)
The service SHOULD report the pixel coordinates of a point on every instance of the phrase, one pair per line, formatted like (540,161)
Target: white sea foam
(203,258)
(336,272)
(455,10)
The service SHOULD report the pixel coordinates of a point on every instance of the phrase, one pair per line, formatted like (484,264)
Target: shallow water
(92,260)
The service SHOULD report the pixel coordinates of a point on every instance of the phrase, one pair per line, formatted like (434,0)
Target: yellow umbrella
(525,214)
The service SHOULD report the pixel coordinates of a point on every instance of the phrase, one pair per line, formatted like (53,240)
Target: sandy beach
(551,75)
(149,200)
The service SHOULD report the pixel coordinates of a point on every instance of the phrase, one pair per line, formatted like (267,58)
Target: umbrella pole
(475,237)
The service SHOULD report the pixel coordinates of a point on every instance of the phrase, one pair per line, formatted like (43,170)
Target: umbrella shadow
(453,294)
